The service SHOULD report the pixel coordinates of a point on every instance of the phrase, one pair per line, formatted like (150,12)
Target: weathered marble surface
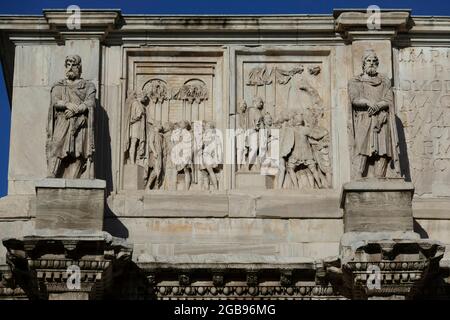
(372,205)
(47,257)
(76,204)
(203,68)
(374,126)
(423,108)
(234,203)
(193,236)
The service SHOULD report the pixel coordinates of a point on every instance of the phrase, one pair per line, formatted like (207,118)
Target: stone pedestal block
(70,204)
(373,205)
(133,177)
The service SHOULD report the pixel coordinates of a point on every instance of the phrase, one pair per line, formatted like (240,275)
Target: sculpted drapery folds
(211,155)
(298,152)
(255,119)
(182,151)
(373,118)
(242,135)
(154,156)
(136,125)
(70,126)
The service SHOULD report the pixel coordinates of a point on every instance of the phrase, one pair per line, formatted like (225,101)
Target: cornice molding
(111,24)
(353,25)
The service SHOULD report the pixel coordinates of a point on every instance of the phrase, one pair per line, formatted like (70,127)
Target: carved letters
(424,110)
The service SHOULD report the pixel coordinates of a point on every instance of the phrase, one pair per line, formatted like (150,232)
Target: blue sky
(429,7)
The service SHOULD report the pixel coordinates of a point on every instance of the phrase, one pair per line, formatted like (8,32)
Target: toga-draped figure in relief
(242,144)
(136,125)
(373,117)
(154,156)
(182,151)
(211,155)
(70,126)
(255,122)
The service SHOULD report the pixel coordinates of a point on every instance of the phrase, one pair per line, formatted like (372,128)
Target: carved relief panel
(283,120)
(181,98)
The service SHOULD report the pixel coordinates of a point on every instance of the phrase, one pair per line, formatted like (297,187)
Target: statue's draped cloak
(73,137)
(376,134)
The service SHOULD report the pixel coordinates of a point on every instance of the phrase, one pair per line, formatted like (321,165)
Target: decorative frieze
(67,267)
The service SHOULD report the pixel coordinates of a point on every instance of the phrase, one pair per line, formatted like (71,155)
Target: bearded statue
(70,134)
(373,119)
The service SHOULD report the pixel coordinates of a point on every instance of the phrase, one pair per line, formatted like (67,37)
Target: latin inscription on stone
(423,100)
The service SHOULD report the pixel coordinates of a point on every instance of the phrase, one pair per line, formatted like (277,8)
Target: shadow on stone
(419,230)
(103,159)
(132,284)
(404,159)
(113,225)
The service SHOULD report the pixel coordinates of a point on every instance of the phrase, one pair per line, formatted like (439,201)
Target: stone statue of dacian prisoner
(373,117)
(70,134)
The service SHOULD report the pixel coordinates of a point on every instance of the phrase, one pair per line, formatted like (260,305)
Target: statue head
(243,107)
(268,120)
(299,119)
(258,103)
(184,124)
(370,62)
(283,116)
(144,98)
(168,126)
(276,123)
(157,126)
(73,67)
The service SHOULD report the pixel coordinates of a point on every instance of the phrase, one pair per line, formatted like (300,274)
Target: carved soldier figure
(284,137)
(154,156)
(243,115)
(136,131)
(170,174)
(264,136)
(268,138)
(321,154)
(242,135)
(373,119)
(70,134)
(255,122)
(300,151)
(255,113)
(211,154)
(182,139)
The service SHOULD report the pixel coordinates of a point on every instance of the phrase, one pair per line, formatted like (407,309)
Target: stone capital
(93,24)
(44,267)
(353,24)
